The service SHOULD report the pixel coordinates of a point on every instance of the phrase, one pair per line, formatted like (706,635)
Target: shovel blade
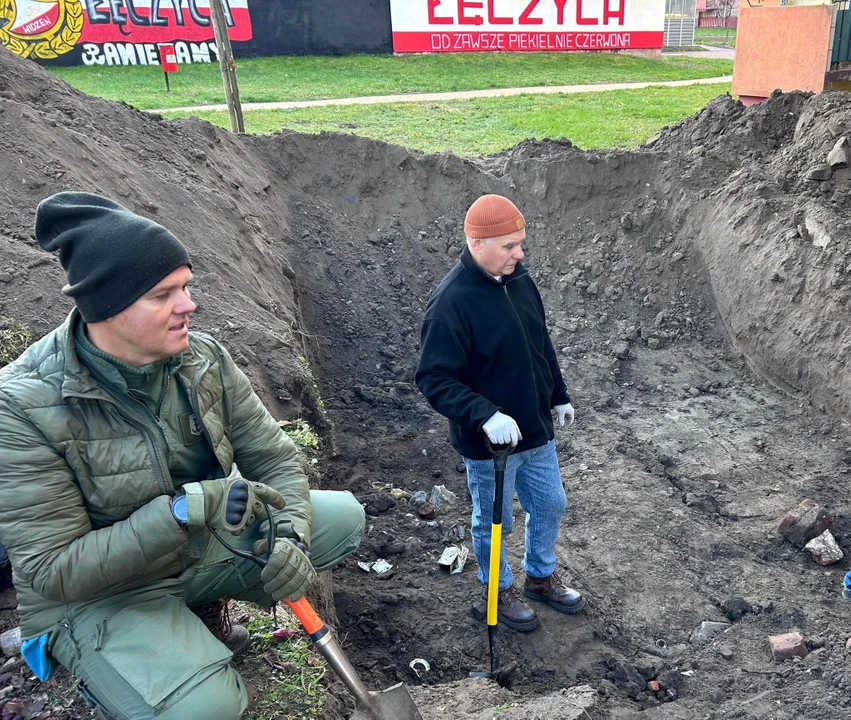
(394,703)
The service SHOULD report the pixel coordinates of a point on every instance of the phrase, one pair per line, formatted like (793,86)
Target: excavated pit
(696,292)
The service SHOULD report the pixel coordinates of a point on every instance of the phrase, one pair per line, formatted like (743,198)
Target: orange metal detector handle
(303,610)
(306,616)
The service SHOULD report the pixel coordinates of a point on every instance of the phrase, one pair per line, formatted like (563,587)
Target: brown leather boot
(216,617)
(511,611)
(552,591)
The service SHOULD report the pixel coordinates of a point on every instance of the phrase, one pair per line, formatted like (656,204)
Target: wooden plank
(782,48)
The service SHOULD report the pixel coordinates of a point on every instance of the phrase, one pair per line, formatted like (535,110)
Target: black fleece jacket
(484,347)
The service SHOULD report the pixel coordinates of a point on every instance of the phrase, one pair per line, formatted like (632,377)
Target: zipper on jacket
(162,400)
(193,402)
(159,463)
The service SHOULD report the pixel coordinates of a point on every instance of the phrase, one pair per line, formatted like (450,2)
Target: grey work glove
(502,429)
(232,503)
(288,573)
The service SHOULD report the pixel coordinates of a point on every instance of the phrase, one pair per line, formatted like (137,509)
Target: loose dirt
(696,291)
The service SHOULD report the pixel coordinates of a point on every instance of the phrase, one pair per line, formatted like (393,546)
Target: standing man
(126,437)
(488,365)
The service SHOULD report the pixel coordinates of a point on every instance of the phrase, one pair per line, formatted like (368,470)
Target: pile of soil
(696,292)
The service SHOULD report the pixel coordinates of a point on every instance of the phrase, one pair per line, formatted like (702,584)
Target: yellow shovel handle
(493,572)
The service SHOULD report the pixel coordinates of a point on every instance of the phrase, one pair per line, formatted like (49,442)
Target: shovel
(394,703)
(502,675)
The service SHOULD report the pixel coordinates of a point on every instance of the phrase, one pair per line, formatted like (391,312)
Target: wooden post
(220,28)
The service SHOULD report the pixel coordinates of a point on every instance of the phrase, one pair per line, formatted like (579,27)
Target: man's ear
(476,245)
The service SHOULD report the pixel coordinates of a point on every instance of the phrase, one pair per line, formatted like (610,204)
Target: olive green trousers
(144,654)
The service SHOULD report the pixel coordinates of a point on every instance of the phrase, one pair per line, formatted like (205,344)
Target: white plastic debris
(378,566)
(441,497)
(418,663)
(704,632)
(381,566)
(454,557)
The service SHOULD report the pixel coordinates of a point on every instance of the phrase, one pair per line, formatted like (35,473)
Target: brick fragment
(805,522)
(787,646)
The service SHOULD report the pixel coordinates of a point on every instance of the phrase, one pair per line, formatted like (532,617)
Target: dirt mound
(724,241)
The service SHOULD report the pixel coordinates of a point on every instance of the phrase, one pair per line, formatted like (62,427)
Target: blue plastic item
(846,586)
(37,657)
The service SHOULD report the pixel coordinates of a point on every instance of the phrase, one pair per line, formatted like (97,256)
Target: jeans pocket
(159,647)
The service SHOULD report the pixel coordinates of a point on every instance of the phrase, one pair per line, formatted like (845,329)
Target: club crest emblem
(41,29)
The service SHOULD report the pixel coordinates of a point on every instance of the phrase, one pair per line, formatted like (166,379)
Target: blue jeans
(535,475)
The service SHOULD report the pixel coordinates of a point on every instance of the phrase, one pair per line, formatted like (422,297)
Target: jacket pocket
(159,647)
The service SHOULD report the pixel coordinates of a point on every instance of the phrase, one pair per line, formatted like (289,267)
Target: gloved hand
(563,411)
(502,430)
(233,503)
(288,573)
(261,546)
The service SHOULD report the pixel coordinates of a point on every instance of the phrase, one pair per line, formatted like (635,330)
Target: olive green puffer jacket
(85,496)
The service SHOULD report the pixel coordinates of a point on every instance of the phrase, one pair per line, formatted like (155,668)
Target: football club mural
(117,32)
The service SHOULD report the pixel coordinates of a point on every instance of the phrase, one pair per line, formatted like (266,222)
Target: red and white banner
(117,32)
(526,25)
(157,21)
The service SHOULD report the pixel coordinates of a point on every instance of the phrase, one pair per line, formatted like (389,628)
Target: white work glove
(565,411)
(502,430)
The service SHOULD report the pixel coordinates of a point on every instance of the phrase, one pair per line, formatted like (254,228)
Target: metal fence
(842,34)
(679,22)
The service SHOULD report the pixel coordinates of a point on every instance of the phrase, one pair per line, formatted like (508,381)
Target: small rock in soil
(735,608)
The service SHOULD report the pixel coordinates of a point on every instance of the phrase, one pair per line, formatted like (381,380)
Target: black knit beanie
(111,256)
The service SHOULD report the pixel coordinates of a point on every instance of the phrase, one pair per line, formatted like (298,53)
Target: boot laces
(216,616)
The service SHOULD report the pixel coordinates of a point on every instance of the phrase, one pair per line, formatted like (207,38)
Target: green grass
(318,77)
(14,339)
(715,36)
(621,118)
(300,432)
(293,685)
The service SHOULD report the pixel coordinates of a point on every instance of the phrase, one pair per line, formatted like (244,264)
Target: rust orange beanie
(493,216)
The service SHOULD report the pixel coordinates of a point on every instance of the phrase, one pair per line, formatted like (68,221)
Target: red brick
(653,685)
(787,646)
(805,522)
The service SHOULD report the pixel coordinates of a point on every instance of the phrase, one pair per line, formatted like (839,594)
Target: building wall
(318,27)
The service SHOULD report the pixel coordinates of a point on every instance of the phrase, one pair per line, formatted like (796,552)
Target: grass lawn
(286,675)
(715,36)
(620,118)
(317,77)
